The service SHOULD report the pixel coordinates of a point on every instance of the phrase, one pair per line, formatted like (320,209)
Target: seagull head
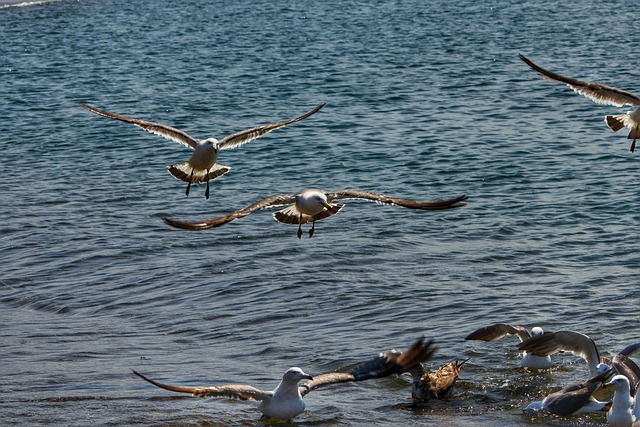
(537,331)
(213,143)
(322,199)
(295,375)
(619,383)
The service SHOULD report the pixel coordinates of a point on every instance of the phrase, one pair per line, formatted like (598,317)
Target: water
(424,100)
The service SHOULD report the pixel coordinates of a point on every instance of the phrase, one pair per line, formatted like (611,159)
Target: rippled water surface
(425,100)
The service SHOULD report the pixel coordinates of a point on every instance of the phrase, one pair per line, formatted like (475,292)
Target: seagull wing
(157,128)
(383,365)
(597,92)
(381,198)
(627,367)
(217,222)
(242,137)
(574,342)
(496,331)
(630,349)
(575,396)
(234,391)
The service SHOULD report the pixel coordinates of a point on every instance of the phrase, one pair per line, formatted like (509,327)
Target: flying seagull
(601,94)
(581,345)
(285,401)
(496,331)
(313,205)
(436,384)
(203,164)
(574,399)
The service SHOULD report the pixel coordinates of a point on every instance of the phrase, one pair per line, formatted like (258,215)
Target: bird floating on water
(622,413)
(601,94)
(436,384)
(574,399)
(285,401)
(203,164)
(313,205)
(498,330)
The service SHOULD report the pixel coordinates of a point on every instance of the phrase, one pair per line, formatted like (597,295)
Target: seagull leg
(189,184)
(633,144)
(313,228)
(300,227)
(206,192)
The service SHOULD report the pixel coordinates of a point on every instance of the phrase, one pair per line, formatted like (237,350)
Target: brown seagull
(601,94)
(203,164)
(434,384)
(285,401)
(313,205)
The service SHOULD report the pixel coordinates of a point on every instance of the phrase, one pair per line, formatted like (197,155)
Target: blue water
(425,100)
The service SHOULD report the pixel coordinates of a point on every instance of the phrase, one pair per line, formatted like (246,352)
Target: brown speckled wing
(235,391)
(217,222)
(242,137)
(156,128)
(597,92)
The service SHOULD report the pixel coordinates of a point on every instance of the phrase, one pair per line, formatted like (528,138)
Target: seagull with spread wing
(285,401)
(498,330)
(601,94)
(313,205)
(203,164)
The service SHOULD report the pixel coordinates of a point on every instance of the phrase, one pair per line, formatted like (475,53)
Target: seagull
(601,94)
(313,205)
(285,401)
(621,413)
(434,384)
(574,399)
(581,345)
(203,164)
(496,331)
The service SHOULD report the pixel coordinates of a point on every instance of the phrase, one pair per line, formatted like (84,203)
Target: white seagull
(574,399)
(203,164)
(601,94)
(621,413)
(285,401)
(313,205)
(496,331)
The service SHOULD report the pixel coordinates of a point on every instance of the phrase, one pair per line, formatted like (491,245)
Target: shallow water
(424,101)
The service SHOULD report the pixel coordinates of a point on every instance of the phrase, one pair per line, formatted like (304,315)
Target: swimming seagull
(285,401)
(496,331)
(574,399)
(434,384)
(313,205)
(203,164)
(601,94)
(581,345)
(621,413)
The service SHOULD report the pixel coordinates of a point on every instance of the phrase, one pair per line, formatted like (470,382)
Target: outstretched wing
(381,198)
(242,137)
(574,342)
(217,222)
(496,331)
(597,92)
(383,365)
(234,391)
(156,128)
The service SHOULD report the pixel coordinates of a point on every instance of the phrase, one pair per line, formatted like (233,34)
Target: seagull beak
(326,205)
(308,377)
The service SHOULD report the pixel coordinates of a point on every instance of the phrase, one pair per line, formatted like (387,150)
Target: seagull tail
(616,122)
(183,171)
